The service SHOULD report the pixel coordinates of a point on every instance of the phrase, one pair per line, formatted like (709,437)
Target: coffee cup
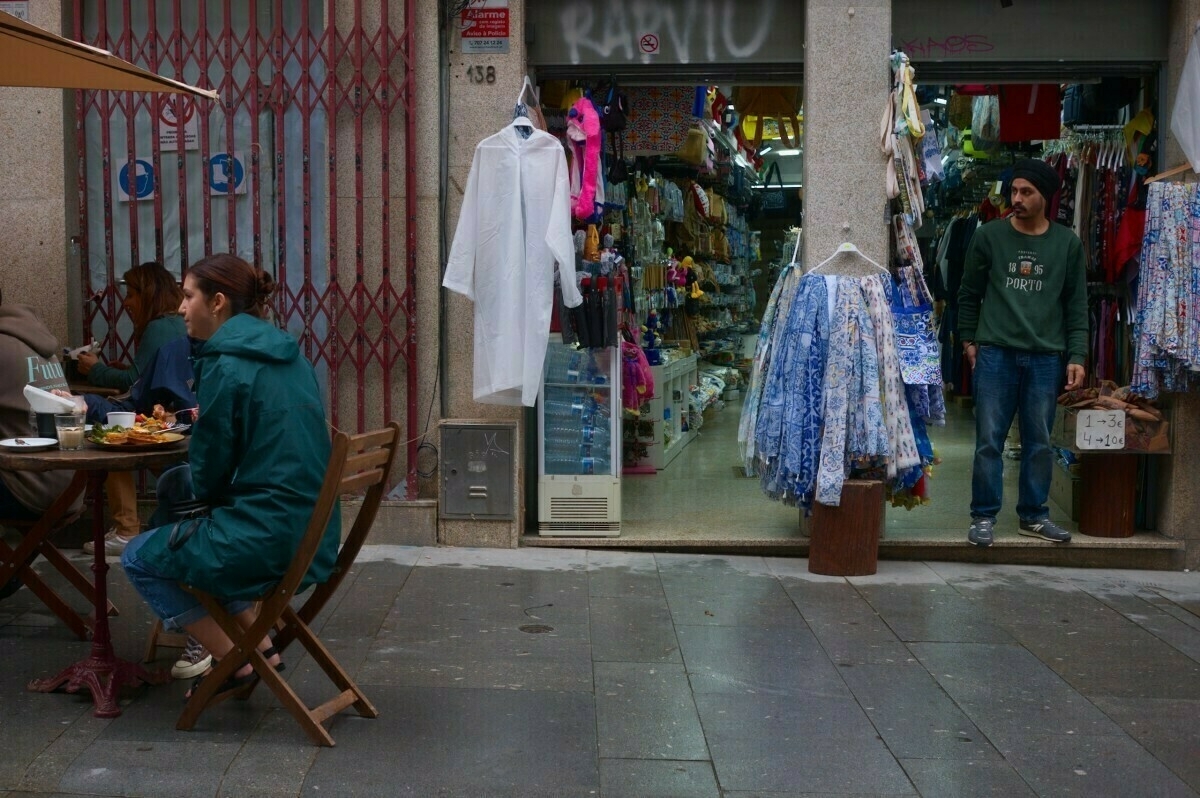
(121,418)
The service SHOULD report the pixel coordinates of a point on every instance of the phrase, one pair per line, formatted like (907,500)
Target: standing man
(1022,313)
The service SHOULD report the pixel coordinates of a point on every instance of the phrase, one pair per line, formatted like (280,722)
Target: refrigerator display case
(579,440)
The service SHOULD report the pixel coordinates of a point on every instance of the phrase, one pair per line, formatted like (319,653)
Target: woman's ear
(220,304)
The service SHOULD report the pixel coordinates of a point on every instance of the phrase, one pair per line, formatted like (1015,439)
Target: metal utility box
(478,468)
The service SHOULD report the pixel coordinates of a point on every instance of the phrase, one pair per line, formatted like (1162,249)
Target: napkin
(45,402)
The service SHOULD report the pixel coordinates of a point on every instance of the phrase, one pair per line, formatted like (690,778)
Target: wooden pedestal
(845,539)
(1109,495)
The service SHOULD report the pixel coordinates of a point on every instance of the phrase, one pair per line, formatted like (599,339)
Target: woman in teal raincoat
(259,448)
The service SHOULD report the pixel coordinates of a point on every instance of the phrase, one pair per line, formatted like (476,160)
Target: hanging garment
(1030,112)
(515,224)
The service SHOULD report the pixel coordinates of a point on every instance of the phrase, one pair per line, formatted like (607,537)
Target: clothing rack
(1095,128)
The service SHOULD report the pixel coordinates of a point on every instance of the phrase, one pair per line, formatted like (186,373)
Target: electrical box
(478,467)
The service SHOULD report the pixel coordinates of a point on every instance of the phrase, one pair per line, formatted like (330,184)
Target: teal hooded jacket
(258,454)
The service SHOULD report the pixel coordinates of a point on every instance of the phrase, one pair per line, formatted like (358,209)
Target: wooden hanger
(1177,170)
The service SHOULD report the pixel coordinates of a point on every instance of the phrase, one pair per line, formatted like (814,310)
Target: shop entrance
(683,480)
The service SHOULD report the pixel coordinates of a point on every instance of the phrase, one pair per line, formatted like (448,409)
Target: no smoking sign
(648,43)
(170,111)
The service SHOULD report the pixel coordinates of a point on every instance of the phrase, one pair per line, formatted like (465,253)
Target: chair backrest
(355,462)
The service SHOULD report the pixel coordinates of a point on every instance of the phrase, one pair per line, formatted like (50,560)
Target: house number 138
(481,74)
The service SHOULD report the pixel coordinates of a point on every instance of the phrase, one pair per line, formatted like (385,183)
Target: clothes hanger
(847,247)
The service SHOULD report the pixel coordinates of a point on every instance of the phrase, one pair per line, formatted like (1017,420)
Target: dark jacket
(168,380)
(158,332)
(258,454)
(27,357)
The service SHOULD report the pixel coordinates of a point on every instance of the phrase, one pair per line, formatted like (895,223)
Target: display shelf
(668,409)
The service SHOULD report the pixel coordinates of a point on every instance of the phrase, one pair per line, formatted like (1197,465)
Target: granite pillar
(846,83)
(482,90)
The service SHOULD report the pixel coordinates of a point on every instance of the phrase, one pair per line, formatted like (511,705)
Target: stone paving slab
(567,672)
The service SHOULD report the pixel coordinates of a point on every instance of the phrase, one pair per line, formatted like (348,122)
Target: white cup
(121,419)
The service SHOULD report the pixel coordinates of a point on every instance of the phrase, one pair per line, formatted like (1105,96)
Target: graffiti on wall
(692,31)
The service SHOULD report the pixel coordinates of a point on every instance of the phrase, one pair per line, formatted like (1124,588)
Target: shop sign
(169,110)
(485,27)
(1100,429)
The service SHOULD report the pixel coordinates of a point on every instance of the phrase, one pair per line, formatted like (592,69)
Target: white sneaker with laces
(194,660)
(114,544)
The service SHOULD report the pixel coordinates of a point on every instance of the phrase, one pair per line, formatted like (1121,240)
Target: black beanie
(1040,174)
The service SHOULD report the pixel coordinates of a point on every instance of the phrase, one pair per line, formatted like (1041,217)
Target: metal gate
(316,104)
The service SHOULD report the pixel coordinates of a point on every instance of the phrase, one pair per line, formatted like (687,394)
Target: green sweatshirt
(1025,292)
(162,330)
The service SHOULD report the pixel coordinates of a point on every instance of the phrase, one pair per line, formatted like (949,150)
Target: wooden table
(101,672)
(83,387)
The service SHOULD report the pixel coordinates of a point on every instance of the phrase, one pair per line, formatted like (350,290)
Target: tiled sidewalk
(575,673)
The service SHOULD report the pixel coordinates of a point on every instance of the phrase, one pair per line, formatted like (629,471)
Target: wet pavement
(577,673)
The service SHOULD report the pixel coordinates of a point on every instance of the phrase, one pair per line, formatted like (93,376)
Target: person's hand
(1075,376)
(86,361)
(970,350)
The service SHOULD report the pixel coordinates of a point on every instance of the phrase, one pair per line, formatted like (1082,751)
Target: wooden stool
(845,539)
(1109,494)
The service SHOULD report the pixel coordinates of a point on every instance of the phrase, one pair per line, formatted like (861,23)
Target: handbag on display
(618,170)
(695,147)
(614,109)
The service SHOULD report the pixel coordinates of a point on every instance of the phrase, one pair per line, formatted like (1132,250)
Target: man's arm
(1075,313)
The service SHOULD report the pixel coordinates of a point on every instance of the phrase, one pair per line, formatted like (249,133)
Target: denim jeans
(177,607)
(1010,382)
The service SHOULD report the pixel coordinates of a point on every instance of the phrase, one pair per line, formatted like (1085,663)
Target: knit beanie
(1040,174)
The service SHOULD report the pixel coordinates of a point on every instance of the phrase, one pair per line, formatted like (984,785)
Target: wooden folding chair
(357,462)
(35,540)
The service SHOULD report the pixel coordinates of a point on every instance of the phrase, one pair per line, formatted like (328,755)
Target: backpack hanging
(618,170)
(613,109)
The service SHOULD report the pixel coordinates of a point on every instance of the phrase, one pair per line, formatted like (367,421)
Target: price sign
(1100,429)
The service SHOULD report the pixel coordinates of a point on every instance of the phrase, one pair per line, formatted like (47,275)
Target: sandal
(234,682)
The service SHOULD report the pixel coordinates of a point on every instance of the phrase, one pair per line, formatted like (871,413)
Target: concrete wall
(1180,488)
(34,243)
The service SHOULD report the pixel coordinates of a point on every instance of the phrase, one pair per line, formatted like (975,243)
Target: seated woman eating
(258,454)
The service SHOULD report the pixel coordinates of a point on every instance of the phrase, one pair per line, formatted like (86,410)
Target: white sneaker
(194,660)
(114,544)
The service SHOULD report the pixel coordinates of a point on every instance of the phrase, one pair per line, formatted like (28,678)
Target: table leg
(101,672)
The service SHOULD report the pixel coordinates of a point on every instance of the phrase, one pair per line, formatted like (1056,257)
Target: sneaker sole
(1029,533)
(191,670)
(981,545)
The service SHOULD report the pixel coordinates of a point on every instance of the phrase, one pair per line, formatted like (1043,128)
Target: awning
(31,56)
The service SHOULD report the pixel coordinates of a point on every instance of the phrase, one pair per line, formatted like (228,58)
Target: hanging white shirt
(515,224)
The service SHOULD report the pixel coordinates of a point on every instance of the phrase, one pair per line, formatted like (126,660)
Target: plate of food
(136,437)
(28,444)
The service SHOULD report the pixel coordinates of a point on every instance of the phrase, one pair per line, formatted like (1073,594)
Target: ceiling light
(786,153)
(940,100)
(766,149)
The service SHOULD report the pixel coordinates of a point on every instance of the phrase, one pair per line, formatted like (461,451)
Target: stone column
(846,83)
(35,196)
(1179,488)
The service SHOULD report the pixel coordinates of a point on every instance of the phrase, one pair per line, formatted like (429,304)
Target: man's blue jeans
(1013,382)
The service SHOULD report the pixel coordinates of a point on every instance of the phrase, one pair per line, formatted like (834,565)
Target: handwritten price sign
(1100,429)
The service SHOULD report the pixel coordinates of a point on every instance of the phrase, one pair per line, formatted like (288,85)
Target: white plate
(28,444)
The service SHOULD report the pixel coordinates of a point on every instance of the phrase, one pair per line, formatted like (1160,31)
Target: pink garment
(583,131)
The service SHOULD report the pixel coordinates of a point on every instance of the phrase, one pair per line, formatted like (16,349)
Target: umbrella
(30,56)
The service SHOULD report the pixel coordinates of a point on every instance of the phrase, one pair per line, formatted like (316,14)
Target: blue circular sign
(225,173)
(140,184)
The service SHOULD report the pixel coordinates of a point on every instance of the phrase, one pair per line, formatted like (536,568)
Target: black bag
(774,203)
(187,516)
(613,109)
(618,170)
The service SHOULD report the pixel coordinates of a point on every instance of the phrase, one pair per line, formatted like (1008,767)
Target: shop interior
(699,212)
